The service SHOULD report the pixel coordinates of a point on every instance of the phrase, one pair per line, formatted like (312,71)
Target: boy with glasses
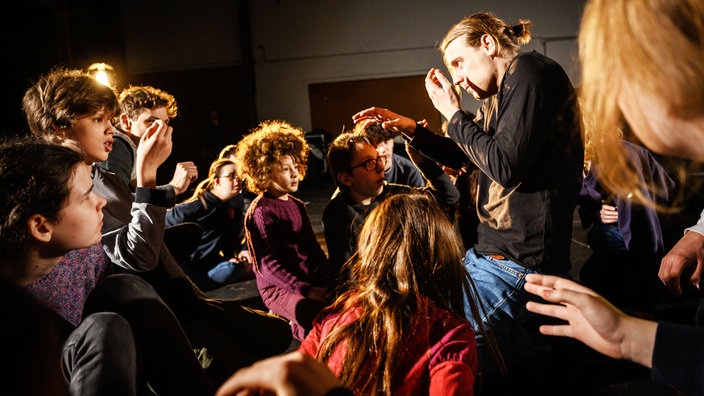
(397,168)
(358,171)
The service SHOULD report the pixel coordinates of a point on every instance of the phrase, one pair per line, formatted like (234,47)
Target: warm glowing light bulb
(101,72)
(102,77)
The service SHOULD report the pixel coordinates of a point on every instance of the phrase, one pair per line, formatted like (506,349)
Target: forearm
(437,181)
(504,156)
(146,178)
(185,212)
(137,245)
(441,149)
(639,340)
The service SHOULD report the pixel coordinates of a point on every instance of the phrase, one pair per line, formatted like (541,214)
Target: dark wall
(197,93)
(39,35)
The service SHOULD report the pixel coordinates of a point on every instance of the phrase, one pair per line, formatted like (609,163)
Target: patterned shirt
(66,288)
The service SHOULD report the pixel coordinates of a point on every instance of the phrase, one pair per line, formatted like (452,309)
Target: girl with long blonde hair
(218,207)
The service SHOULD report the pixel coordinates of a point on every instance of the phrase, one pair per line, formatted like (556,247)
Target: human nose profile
(380,163)
(101,202)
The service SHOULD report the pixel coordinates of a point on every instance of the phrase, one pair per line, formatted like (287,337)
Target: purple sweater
(284,246)
(67,286)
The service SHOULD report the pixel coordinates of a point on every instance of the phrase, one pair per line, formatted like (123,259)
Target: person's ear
(488,45)
(39,228)
(345,178)
(59,131)
(125,122)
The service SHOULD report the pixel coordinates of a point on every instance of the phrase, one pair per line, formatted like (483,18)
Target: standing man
(525,141)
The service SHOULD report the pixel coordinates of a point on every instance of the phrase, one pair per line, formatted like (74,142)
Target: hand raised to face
(154,148)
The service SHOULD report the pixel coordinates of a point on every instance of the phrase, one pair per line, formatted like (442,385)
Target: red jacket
(440,359)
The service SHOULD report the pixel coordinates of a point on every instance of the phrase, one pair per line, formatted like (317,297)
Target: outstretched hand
(387,118)
(686,257)
(591,319)
(443,93)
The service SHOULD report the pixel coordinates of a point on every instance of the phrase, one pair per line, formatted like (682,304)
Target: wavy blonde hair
(258,151)
(135,98)
(508,38)
(227,151)
(655,45)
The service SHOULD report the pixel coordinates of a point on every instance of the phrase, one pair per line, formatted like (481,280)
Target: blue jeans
(500,291)
(226,272)
(608,238)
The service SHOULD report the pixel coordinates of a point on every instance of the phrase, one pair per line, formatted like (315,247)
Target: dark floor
(560,366)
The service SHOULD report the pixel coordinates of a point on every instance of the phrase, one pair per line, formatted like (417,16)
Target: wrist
(638,340)
(177,189)
(146,181)
(146,177)
(410,131)
(448,114)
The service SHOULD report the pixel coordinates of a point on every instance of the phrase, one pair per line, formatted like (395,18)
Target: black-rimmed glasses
(372,163)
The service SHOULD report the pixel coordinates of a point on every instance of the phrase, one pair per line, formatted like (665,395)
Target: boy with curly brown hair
(292,271)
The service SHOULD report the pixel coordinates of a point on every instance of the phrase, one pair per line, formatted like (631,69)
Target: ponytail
(520,31)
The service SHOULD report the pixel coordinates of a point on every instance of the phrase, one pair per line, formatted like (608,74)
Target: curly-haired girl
(291,268)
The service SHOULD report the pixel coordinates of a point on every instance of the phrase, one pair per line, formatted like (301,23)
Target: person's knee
(105,335)
(117,291)
(101,354)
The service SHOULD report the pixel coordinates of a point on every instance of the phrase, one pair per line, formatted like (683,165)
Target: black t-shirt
(529,152)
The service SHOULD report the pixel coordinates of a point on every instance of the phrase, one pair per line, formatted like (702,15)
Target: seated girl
(124,336)
(217,206)
(400,328)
